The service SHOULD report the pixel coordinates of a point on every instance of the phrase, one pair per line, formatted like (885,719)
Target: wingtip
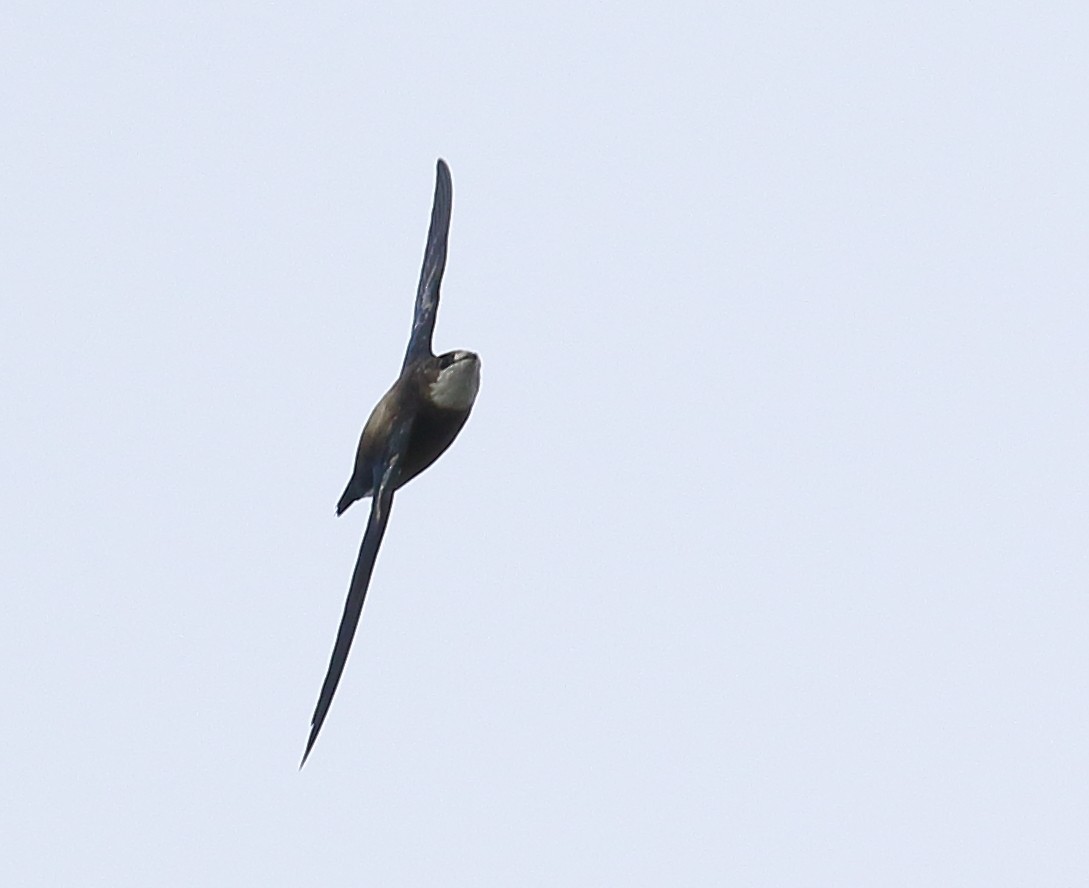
(442,173)
(309,745)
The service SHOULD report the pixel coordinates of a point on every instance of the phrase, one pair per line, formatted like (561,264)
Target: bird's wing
(434,263)
(385,482)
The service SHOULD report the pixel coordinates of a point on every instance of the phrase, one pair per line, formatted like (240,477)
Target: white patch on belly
(457,385)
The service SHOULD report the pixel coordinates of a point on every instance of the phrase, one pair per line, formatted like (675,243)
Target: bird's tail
(346,499)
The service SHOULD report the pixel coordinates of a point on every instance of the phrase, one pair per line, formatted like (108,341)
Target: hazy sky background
(764,557)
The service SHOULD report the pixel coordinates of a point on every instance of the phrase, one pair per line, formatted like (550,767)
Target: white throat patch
(457,385)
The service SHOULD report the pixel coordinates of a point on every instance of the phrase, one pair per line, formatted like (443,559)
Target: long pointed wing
(384,484)
(434,263)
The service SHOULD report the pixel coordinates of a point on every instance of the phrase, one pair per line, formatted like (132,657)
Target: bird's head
(458,380)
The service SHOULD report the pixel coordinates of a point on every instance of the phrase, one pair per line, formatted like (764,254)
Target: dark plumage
(409,428)
(433,431)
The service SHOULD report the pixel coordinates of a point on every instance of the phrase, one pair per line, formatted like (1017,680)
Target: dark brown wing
(434,263)
(385,482)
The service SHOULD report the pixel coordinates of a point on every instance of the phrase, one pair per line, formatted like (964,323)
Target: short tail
(346,499)
(356,489)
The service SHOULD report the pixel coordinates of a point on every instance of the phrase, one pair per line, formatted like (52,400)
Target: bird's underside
(433,431)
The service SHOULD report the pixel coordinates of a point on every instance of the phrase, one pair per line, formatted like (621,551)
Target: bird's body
(411,426)
(441,411)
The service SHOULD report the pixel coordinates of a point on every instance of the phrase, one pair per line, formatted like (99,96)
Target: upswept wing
(385,482)
(434,263)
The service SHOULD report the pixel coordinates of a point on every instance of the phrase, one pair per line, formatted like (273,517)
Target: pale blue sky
(763,558)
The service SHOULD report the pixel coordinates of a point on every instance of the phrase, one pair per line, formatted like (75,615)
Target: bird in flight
(411,426)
